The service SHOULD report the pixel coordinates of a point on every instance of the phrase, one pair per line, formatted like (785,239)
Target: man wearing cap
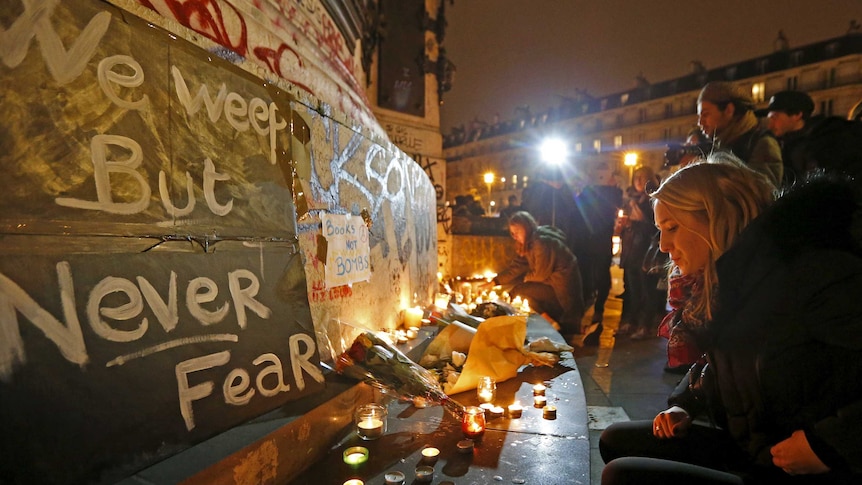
(807,142)
(726,115)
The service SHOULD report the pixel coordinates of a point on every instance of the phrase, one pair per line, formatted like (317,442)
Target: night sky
(510,53)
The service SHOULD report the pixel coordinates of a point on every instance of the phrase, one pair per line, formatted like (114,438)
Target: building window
(666,134)
(792,82)
(526,181)
(642,115)
(618,141)
(796,58)
(826,107)
(668,110)
(758,92)
(730,73)
(597,145)
(514,181)
(830,81)
(624,98)
(763,65)
(604,104)
(579,147)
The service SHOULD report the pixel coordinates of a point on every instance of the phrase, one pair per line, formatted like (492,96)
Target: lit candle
(525,307)
(517,301)
(539,401)
(620,213)
(473,423)
(355,455)
(496,412)
(539,390)
(370,428)
(413,317)
(441,301)
(354,481)
(515,410)
(430,455)
(412,332)
(549,412)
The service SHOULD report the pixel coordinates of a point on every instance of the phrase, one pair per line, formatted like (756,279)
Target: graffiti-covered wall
(196,195)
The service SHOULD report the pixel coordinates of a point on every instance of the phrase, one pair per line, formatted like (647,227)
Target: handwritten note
(347,255)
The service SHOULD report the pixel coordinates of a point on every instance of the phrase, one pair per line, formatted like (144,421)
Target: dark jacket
(548,260)
(785,346)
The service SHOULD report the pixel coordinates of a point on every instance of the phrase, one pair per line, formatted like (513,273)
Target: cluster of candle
(540,401)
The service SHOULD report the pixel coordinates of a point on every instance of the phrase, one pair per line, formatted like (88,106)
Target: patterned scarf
(681,326)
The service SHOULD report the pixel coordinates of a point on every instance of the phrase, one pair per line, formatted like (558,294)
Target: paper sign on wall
(347,255)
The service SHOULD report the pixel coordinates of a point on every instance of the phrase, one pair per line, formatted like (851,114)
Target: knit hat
(722,92)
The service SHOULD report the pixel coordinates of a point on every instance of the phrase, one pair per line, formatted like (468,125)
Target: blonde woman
(779,316)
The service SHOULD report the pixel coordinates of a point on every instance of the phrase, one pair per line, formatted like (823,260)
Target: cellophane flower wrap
(374,360)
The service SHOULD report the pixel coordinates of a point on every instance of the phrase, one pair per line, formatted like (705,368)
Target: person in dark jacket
(781,323)
(545,272)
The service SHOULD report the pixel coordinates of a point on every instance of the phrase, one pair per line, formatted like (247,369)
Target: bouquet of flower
(374,360)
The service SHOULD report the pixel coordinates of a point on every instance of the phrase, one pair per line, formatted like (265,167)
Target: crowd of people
(748,259)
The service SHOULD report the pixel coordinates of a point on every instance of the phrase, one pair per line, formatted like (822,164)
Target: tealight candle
(496,412)
(539,390)
(354,481)
(394,478)
(465,446)
(515,410)
(430,455)
(539,401)
(355,455)
(473,422)
(424,474)
(549,412)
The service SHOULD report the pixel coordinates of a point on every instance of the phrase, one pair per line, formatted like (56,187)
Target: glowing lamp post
(489,181)
(554,152)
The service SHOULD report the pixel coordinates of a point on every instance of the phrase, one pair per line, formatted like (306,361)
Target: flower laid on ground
(374,360)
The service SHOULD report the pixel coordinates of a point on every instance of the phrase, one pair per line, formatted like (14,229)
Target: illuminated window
(597,145)
(618,141)
(579,147)
(624,98)
(758,92)
(514,181)
(526,181)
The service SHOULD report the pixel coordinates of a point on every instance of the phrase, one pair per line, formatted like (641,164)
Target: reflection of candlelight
(539,390)
(486,390)
(355,455)
(549,412)
(515,410)
(473,424)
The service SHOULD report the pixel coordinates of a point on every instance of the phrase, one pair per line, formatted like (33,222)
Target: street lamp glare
(631,159)
(489,177)
(554,151)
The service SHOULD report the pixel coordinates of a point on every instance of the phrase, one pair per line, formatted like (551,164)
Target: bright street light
(554,151)
(489,179)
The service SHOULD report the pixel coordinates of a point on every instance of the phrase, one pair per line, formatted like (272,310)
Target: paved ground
(623,378)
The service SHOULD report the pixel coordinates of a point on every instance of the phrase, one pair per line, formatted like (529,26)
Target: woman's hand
(795,456)
(671,423)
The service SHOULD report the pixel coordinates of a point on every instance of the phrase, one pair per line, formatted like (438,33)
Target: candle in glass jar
(413,317)
(486,389)
(473,422)
(370,428)
(370,421)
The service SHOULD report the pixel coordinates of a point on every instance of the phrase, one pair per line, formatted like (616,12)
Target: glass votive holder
(370,421)
(486,389)
(355,455)
(473,422)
